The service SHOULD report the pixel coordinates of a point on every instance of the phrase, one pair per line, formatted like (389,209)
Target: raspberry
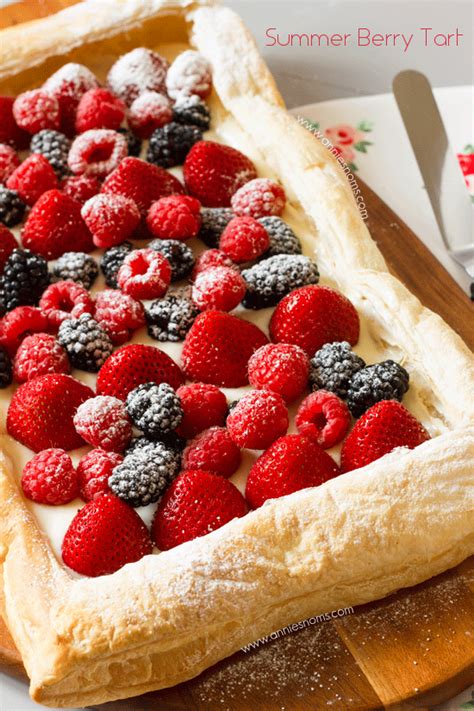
(258,419)
(36,110)
(25,277)
(192,110)
(210,259)
(259,198)
(33,178)
(37,355)
(383,381)
(118,314)
(7,244)
(67,85)
(273,278)
(97,152)
(99,108)
(280,367)
(110,218)
(6,371)
(323,418)
(333,367)
(148,112)
(63,300)
(87,344)
(174,217)
(203,405)
(214,451)
(170,318)
(136,72)
(93,472)
(155,409)
(144,274)
(78,267)
(50,478)
(18,324)
(10,132)
(189,74)
(103,422)
(179,255)
(12,207)
(282,238)
(221,288)
(214,220)
(145,474)
(81,187)
(170,144)
(8,161)
(244,239)
(54,146)
(112,260)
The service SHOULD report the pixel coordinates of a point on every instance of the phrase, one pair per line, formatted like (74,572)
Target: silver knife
(438,164)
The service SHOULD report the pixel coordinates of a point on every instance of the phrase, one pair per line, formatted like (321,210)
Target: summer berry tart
(202,352)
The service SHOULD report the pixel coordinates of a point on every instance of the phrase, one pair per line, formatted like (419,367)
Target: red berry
(144,274)
(8,161)
(41,412)
(148,112)
(63,300)
(323,418)
(97,152)
(105,535)
(466,161)
(244,239)
(19,323)
(93,472)
(213,172)
(291,463)
(259,198)
(10,132)
(189,75)
(280,367)
(221,288)
(312,316)
(212,258)
(99,108)
(110,218)
(196,503)
(137,72)
(81,187)
(103,422)
(118,314)
(174,217)
(258,419)
(37,355)
(7,244)
(36,110)
(67,85)
(203,406)
(214,451)
(33,178)
(50,478)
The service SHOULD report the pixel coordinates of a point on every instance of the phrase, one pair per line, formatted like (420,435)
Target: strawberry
(50,478)
(196,503)
(103,536)
(41,412)
(217,349)
(313,315)
(213,172)
(291,463)
(385,426)
(133,365)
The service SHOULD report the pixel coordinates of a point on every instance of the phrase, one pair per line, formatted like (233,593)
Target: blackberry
(133,142)
(25,277)
(282,238)
(170,439)
(214,220)
(192,110)
(144,475)
(170,144)
(383,381)
(112,260)
(333,366)
(12,208)
(273,278)
(154,409)
(178,254)
(86,343)
(6,376)
(54,146)
(170,318)
(78,267)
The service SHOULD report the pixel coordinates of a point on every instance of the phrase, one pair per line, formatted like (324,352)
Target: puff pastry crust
(357,538)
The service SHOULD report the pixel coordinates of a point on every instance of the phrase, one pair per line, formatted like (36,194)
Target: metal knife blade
(438,164)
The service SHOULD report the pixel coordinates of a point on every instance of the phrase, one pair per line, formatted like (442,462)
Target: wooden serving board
(409,651)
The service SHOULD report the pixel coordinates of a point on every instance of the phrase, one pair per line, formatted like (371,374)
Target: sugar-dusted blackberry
(12,207)
(178,254)
(273,278)
(192,110)
(25,277)
(170,318)
(78,267)
(133,142)
(382,381)
(282,238)
(154,409)
(145,474)
(169,439)
(54,146)
(333,367)
(112,260)
(214,220)
(86,343)
(6,370)
(170,144)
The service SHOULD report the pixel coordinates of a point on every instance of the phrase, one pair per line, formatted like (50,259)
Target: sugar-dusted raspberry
(37,355)
(99,108)
(324,418)
(19,323)
(204,406)
(97,152)
(110,218)
(63,300)
(178,254)
(50,478)
(144,274)
(259,198)
(210,259)
(7,244)
(10,132)
(174,217)
(244,239)
(8,161)
(280,367)
(93,472)
(103,422)
(258,419)
(136,72)
(81,187)
(148,112)
(189,74)
(213,451)
(32,178)
(118,314)
(67,85)
(221,288)
(36,110)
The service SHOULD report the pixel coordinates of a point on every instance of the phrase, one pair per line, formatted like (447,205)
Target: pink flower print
(344,135)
